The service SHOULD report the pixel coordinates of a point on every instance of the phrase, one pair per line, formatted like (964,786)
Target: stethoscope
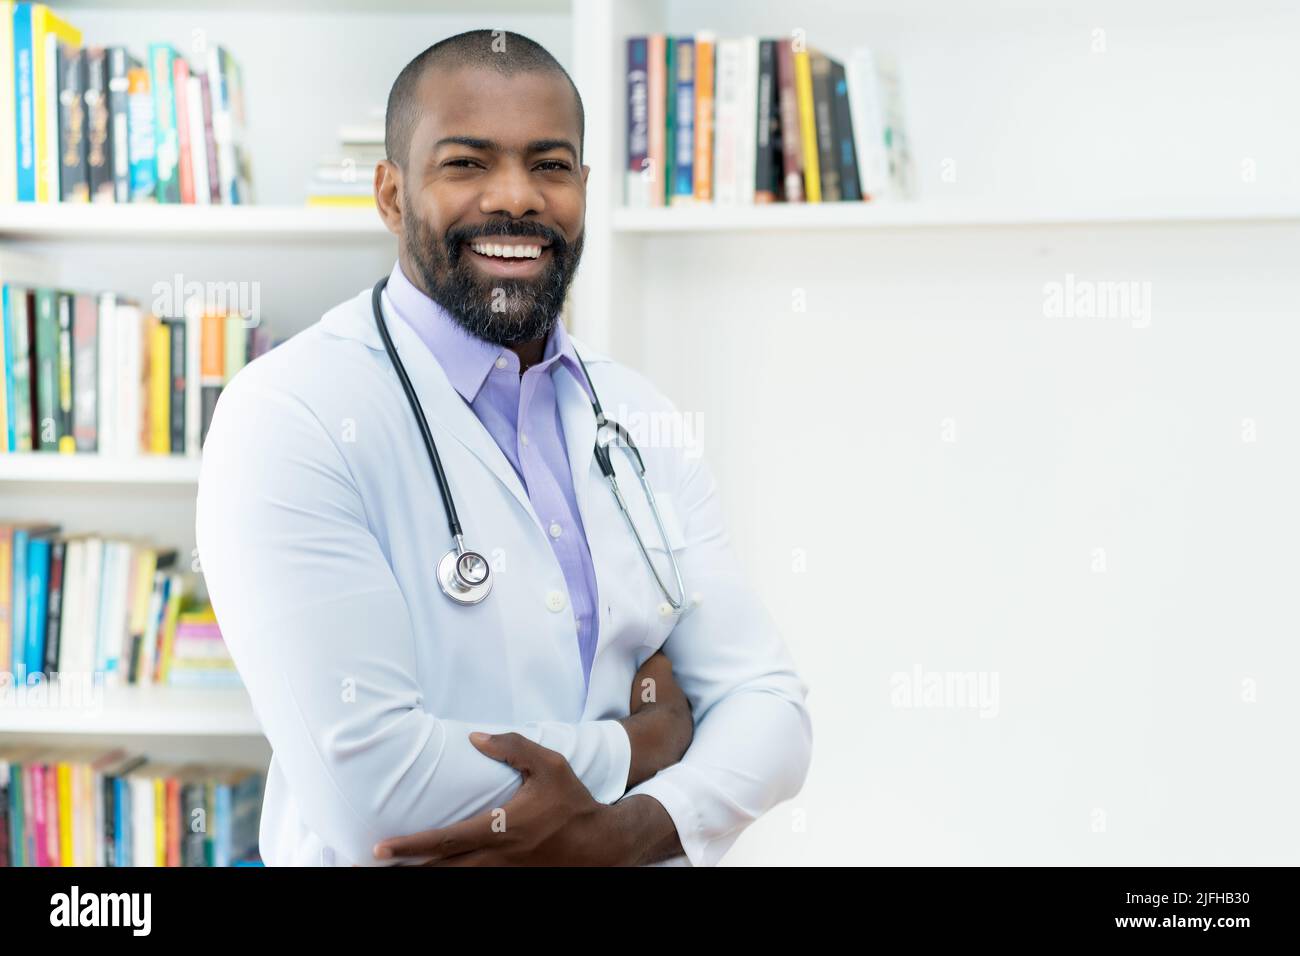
(464,575)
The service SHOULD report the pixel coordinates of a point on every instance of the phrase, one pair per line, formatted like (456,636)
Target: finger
(460,837)
(514,750)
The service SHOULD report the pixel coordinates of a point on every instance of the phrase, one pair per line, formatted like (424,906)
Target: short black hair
(501,50)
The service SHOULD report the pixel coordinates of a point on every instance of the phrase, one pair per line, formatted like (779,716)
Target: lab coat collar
(442,403)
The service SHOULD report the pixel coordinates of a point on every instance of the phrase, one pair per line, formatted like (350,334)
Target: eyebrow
(536,146)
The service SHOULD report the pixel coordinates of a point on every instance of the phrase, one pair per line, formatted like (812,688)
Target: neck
(530,353)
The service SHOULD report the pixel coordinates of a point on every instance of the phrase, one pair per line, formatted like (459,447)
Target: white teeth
(506,251)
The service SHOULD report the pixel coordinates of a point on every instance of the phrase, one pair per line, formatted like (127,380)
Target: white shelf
(147,710)
(38,221)
(933,214)
(46,467)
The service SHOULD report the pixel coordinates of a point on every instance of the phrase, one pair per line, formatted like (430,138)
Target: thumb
(513,749)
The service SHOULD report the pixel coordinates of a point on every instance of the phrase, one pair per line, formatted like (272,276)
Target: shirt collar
(465,358)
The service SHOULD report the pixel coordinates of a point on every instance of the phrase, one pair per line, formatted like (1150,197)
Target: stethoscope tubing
(602,456)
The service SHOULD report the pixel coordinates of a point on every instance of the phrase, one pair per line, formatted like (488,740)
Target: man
(405,727)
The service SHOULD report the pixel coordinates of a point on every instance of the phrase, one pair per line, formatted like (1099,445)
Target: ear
(389,195)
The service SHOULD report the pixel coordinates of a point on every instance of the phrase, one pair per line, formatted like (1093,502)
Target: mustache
(458,236)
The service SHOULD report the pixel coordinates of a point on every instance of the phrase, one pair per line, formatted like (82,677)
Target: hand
(660,726)
(551,820)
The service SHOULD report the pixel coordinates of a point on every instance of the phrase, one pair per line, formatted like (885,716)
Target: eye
(462,163)
(552,164)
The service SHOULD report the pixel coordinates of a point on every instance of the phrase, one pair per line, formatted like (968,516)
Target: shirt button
(665,609)
(523,439)
(501,362)
(555,529)
(555,600)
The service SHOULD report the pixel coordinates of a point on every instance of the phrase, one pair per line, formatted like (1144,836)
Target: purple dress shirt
(523,418)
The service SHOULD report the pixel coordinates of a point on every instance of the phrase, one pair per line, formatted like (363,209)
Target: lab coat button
(556,530)
(665,609)
(555,600)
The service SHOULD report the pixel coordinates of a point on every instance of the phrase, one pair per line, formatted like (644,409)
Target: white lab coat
(319,529)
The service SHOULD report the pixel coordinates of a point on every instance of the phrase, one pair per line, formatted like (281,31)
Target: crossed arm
(552,820)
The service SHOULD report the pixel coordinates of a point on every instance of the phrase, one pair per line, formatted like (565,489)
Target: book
(162,68)
(99,126)
(827,163)
(120,63)
(683,190)
(183,117)
(70,77)
(8,107)
(768,186)
(85,373)
(48,30)
(45,372)
(638,126)
(142,135)
(812,182)
(702,163)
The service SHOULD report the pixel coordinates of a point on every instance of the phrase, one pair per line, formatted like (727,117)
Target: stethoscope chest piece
(464,576)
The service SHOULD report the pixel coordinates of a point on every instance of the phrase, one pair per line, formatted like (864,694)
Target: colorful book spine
(8,105)
(638,124)
(827,164)
(85,377)
(657,117)
(73,159)
(66,443)
(46,371)
(702,164)
(807,125)
(683,162)
(166,135)
(24,66)
(767,157)
(845,153)
(142,136)
(119,66)
(792,161)
(99,126)
(48,31)
(184,156)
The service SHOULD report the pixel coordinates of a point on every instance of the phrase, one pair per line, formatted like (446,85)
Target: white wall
(1121,693)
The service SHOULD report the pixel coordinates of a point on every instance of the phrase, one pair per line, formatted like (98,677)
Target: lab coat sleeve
(322,638)
(753,734)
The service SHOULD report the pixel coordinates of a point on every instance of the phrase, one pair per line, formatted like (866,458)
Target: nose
(510,191)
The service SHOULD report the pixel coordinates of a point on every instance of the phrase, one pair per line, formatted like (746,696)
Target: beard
(499,310)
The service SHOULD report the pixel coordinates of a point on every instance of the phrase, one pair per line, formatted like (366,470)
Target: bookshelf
(134,711)
(53,469)
(57,221)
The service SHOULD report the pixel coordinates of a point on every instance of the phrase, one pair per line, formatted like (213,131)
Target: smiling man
(584,711)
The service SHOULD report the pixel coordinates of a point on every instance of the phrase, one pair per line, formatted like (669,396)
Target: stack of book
(741,121)
(347,178)
(109,807)
(91,372)
(89,605)
(96,124)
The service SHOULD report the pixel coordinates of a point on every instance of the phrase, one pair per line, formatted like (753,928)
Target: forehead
(480,102)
